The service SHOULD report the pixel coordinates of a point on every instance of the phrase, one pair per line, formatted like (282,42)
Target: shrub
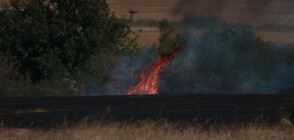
(168,36)
(10,80)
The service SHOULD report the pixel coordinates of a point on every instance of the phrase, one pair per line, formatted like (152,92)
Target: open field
(206,109)
(149,131)
(159,117)
(255,13)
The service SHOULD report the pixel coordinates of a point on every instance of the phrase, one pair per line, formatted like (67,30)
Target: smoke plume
(223,52)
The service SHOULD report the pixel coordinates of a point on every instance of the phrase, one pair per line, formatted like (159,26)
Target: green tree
(56,37)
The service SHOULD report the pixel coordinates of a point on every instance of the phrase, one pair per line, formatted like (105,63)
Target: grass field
(255,13)
(188,109)
(150,131)
(158,117)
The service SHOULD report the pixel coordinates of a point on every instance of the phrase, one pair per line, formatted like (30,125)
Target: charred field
(186,109)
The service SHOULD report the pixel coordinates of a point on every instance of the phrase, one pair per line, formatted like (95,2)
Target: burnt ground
(200,108)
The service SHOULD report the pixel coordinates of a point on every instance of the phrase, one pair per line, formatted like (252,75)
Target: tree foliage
(49,37)
(168,36)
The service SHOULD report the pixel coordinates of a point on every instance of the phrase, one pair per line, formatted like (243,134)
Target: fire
(149,75)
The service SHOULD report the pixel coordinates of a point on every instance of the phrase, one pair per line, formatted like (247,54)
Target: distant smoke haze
(254,12)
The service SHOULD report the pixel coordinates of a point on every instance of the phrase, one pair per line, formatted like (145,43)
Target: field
(163,116)
(149,131)
(272,21)
(206,109)
(148,117)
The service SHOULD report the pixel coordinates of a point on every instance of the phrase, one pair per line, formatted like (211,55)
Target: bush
(10,79)
(168,36)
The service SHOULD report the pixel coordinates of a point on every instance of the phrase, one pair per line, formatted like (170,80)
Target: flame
(149,75)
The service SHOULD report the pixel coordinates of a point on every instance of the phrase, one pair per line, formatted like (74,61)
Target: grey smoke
(253,12)
(222,53)
(127,73)
(228,60)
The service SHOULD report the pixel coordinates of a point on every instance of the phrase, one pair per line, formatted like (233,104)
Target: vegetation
(50,45)
(151,131)
(168,36)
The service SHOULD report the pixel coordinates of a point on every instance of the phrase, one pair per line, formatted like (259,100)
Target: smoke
(231,60)
(223,54)
(254,12)
(127,73)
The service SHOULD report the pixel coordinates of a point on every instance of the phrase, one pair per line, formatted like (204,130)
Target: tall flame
(149,75)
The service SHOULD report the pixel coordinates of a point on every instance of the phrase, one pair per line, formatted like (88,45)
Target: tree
(52,37)
(168,36)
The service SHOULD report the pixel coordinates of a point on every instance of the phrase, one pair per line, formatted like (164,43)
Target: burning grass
(150,131)
(149,76)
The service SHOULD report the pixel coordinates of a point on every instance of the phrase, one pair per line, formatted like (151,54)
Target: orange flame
(149,76)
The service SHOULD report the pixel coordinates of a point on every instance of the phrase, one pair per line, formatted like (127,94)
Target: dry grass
(36,110)
(147,9)
(262,13)
(148,131)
